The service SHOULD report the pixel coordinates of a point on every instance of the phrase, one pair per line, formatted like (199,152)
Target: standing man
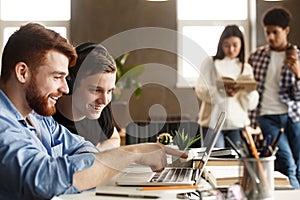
(38,157)
(279,89)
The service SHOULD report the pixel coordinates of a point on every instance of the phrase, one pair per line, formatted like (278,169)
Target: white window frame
(5,24)
(249,33)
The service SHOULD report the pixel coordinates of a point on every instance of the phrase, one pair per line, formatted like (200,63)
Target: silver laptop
(143,176)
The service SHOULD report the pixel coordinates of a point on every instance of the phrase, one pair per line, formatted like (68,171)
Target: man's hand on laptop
(110,162)
(154,155)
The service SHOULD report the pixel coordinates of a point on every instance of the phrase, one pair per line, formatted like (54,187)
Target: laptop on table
(142,176)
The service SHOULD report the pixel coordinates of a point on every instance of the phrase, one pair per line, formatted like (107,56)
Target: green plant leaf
(182,139)
(127,74)
(138,92)
(124,58)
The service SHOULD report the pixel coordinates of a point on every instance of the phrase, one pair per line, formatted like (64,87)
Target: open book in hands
(246,82)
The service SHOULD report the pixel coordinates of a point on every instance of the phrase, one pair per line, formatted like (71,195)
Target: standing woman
(229,61)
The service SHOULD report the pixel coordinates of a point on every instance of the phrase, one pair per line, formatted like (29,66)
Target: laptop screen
(133,178)
(210,143)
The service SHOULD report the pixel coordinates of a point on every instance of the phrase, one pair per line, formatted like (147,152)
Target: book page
(244,81)
(245,77)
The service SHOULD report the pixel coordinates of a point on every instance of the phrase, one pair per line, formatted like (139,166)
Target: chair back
(140,132)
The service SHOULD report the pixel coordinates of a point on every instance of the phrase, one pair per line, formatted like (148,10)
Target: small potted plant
(180,140)
(183,140)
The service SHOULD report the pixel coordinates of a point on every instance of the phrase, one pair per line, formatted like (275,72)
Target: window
(55,14)
(45,10)
(201,22)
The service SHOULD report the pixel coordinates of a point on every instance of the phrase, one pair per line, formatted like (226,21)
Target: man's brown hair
(30,44)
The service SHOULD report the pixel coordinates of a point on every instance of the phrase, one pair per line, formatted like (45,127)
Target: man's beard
(36,101)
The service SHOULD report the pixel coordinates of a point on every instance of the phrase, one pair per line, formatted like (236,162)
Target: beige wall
(98,20)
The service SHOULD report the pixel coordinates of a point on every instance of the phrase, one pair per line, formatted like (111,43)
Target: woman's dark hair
(231,31)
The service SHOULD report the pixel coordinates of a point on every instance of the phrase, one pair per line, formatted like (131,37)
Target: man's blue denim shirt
(38,168)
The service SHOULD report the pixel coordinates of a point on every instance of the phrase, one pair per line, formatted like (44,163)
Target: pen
(271,147)
(247,164)
(255,155)
(233,146)
(268,149)
(251,143)
(276,139)
(275,151)
(128,195)
(175,187)
(245,144)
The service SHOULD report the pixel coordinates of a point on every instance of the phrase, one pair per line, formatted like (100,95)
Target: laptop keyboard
(174,175)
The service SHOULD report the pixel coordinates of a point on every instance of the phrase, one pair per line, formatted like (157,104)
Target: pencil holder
(258,177)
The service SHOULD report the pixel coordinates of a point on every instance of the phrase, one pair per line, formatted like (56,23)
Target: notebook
(143,176)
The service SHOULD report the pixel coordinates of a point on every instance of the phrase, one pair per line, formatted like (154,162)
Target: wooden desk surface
(169,195)
(163,194)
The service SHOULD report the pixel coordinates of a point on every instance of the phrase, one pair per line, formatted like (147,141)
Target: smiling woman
(199,20)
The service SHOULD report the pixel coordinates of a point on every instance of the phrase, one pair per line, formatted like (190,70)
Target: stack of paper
(226,176)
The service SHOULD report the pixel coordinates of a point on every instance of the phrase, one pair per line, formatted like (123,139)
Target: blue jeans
(234,135)
(288,156)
